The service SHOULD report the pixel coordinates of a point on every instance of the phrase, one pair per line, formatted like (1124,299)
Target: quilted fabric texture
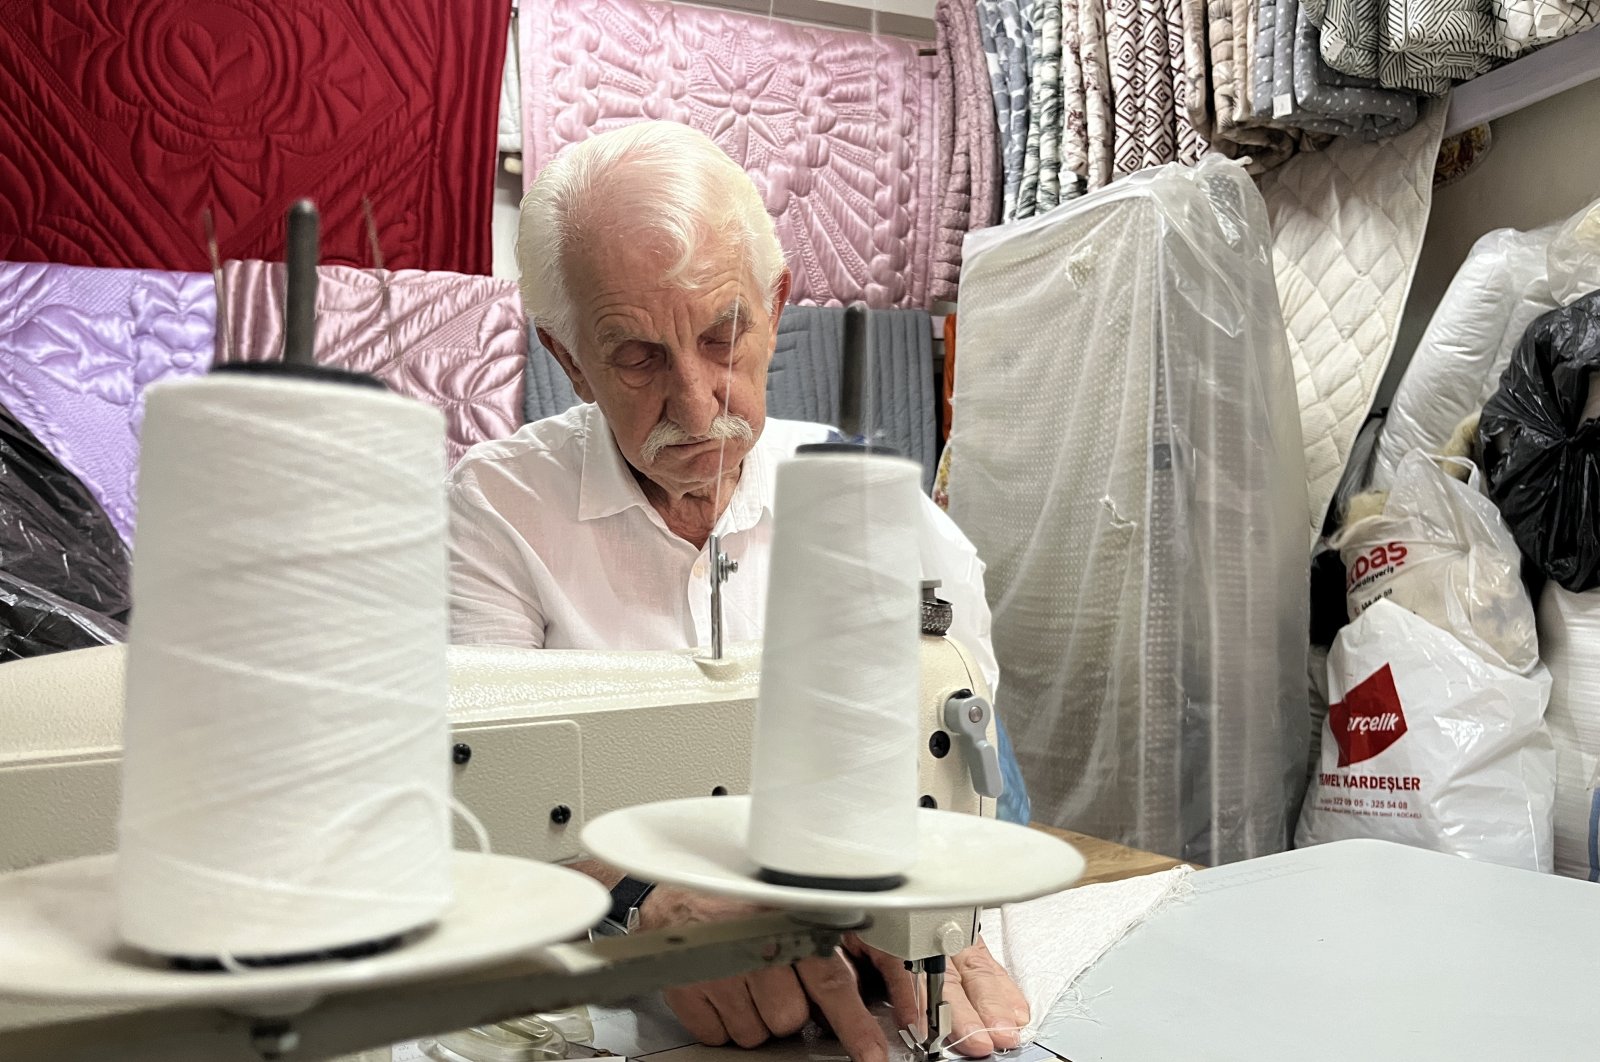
(1308,94)
(831,125)
(1525,24)
(969,186)
(456,342)
(1347,228)
(510,130)
(1422,45)
(78,348)
(122,123)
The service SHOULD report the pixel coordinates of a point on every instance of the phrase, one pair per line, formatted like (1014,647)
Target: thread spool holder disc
(963,860)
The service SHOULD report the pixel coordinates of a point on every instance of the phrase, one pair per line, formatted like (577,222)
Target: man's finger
(905,994)
(699,1017)
(780,1000)
(990,989)
(831,983)
(737,1011)
(967,1033)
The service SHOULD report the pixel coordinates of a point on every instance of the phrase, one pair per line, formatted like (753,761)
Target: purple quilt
(835,127)
(78,347)
(454,341)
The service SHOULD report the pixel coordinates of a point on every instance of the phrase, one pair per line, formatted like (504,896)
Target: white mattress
(1347,228)
(1126,459)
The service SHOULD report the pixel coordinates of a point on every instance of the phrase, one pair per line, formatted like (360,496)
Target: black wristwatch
(627,896)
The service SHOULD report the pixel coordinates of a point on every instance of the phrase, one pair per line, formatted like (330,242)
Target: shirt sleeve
(493,597)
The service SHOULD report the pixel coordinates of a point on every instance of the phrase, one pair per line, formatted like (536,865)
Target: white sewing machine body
(545,741)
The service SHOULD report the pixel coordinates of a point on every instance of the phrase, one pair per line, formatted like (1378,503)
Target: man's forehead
(646,318)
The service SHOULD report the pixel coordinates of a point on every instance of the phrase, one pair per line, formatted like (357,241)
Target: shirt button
(700,569)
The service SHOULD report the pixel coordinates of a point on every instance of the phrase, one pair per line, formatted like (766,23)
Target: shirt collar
(606,484)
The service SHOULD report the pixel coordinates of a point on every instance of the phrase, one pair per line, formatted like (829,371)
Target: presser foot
(936,1017)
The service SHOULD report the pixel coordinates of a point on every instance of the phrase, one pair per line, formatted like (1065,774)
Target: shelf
(898,18)
(1547,72)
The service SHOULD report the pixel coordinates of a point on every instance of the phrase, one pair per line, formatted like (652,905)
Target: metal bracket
(607,970)
(721,568)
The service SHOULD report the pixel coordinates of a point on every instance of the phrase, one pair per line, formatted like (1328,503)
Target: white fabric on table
(1048,943)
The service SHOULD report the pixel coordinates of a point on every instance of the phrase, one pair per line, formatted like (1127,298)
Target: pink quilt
(835,127)
(454,341)
(78,347)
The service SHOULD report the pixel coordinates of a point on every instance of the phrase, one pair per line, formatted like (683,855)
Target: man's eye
(633,356)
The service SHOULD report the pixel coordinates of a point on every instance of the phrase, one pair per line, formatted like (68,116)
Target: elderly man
(654,275)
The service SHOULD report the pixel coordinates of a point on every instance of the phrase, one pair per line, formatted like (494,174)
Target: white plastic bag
(1441,550)
(1509,279)
(1428,744)
(1569,634)
(1498,291)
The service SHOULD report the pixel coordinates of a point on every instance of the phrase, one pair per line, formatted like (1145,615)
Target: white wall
(1544,166)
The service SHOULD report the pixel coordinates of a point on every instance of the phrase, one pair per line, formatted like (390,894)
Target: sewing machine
(544,743)
(636,758)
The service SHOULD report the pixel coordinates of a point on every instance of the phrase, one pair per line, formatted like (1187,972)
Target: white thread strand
(834,774)
(286,780)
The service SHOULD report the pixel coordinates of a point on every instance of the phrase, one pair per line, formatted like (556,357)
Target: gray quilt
(1292,87)
(803,381)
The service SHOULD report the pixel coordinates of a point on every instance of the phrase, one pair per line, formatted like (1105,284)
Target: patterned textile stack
(1086,91)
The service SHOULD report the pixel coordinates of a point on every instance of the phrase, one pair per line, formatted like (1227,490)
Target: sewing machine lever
(966,717)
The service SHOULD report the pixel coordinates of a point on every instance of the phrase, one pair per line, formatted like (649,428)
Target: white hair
(660,178)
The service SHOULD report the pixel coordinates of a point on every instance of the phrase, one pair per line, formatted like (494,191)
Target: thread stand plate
(963,860)
(59,943)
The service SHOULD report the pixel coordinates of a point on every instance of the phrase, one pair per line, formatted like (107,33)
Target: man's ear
(779,301)
(569,364)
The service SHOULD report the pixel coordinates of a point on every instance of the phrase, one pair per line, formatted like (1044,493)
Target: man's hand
(751,1009)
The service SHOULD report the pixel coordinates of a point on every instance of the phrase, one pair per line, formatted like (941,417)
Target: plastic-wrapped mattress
(1129,466)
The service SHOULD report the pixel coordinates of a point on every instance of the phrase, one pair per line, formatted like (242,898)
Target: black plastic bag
(1541,456)
(63,567)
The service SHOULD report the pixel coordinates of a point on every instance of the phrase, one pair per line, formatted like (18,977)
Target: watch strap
(626,896)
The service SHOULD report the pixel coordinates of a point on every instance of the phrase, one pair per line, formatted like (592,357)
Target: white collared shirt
(554,545)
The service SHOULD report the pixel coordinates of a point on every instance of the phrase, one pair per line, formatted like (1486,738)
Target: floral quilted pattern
(830,124)
(123,122)
(456,342)
(78,348)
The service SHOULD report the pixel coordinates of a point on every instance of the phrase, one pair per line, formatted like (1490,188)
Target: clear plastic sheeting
(63,567)
(1127,457)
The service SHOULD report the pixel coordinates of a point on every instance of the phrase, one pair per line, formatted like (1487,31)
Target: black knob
(720,790)
(461,753)
(560,814)
(939,744)
(928,802)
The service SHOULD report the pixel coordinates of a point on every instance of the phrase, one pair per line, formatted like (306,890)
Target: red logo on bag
(1369,719)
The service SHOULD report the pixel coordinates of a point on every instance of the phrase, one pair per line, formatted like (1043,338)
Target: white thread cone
(834,778)
(286,781)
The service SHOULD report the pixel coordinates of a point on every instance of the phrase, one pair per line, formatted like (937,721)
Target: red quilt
(120,123)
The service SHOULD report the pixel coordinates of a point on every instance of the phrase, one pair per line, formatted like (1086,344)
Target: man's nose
(697,394)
